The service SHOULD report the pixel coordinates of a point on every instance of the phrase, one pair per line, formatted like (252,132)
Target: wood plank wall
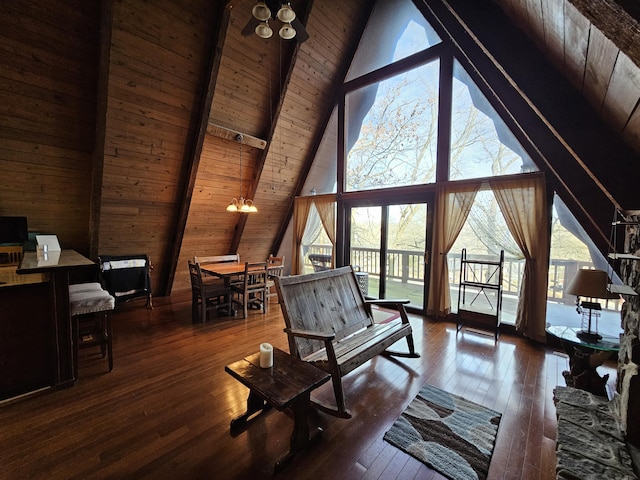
(48,78)
(159,56)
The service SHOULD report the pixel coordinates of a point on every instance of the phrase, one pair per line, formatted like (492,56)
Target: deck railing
(407,266)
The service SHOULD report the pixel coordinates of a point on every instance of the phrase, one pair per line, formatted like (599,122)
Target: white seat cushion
(91,301)
(84,287)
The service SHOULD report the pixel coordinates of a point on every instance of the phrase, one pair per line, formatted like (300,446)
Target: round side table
(584,358)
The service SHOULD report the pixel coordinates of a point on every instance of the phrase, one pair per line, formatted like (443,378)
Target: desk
(287,384)
(58,265)
(584,358)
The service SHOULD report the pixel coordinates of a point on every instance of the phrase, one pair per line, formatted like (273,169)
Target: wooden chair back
(275,268)
(234,257)
(10,254)
(206,295)
(196,277)
(275,265)
(320,301)
(252,286)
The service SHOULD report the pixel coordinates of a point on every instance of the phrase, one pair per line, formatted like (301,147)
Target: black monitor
(13,229)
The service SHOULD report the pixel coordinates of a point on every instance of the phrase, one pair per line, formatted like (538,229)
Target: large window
(397,140)
(481,144)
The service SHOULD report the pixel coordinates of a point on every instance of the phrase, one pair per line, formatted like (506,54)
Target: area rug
(448,433)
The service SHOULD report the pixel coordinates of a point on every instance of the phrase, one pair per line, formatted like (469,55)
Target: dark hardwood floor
(164,411)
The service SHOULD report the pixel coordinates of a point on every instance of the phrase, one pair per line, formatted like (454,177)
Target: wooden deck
(164,411)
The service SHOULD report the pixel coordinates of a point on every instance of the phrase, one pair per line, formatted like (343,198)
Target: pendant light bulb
(261,12)
(286,13)
(287,32)
(263,30)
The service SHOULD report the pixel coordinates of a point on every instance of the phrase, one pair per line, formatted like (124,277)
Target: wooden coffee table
(287,384)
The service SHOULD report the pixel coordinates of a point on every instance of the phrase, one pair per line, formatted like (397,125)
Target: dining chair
(275,268)
(206,293)
(251,289)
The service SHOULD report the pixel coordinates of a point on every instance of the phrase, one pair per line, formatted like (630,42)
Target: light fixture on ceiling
(286,15)
(261,12)
(263,30)
(287,32)
(241,205)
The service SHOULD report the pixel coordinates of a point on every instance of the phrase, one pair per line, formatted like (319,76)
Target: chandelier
(241,205)
(286,15)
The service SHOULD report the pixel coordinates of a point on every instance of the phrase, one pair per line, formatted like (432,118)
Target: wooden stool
(91,308)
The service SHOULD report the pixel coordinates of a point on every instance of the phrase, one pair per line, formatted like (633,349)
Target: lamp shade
(590,284)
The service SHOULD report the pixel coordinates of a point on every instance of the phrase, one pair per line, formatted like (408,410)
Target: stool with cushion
(91,308)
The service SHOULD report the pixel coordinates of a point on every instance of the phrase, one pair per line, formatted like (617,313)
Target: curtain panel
(523,203)
(326,207)
(453,204)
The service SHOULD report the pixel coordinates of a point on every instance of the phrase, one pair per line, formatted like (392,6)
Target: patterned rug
(448,433)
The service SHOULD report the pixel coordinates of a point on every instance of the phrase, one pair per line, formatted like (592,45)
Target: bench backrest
(327,301)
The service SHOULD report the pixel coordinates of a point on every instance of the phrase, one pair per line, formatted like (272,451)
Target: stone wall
(628,384)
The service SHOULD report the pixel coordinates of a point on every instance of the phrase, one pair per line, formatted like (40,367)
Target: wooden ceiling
(280,94)
(596,45)
(166,85)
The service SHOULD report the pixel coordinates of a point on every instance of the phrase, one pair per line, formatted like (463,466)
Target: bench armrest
(396,302)
(310,334)
(387,301)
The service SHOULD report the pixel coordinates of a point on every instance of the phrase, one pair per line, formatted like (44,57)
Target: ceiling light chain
(241,205)
(285,14)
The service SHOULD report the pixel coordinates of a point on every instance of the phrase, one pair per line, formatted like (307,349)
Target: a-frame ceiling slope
(592,163)
(586,161)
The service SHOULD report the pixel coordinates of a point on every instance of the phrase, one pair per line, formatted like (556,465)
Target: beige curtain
(453,203)
(301,207)
(523,202)
(326,206)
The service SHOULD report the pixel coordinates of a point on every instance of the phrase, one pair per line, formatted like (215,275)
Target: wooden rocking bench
(330,324)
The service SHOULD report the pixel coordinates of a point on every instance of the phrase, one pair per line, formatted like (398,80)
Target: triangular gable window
(379,44)
(481,144)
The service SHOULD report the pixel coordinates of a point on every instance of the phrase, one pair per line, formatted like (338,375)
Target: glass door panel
(387,250)
(405,257)
(366,247)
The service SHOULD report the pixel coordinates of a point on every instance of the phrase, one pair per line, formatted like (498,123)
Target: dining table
(226,271)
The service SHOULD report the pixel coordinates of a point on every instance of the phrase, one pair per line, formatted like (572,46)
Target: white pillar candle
(266,355)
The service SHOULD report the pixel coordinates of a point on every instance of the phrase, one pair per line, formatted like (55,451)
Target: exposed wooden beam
(337,88)
(194,148)
(97,172)
(276,108)
(230,134)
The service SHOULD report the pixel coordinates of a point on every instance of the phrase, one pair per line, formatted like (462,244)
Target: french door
(388,245)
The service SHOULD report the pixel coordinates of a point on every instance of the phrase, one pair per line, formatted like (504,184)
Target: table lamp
(591,284)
